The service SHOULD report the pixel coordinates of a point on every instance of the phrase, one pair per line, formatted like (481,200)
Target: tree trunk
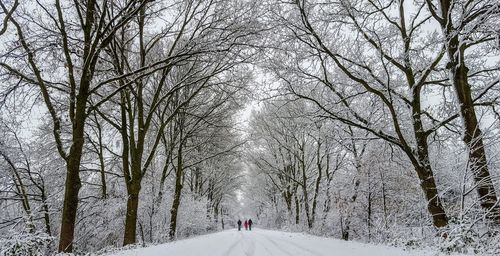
(131,215)
(384,199)
(428,185)
(72,187)
(104,191)
(304,187)
(434,206)
(350,208)
(473,136)
(344,226)
(78,118)
(287,193)
(133,190)
(306,207)
(141,228)
(421,160)
(73,183)
(222,217)
(369,211)
(317,183)
(45,208)
(327,203)
(177,194)
(131,164)
(297,210)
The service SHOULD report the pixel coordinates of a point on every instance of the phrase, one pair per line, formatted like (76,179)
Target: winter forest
(127,123)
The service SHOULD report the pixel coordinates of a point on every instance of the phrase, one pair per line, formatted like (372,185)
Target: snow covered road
(265,242)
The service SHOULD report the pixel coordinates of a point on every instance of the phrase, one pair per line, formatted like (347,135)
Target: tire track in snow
(262,243)
(250,251)
(233,246)
(276,245)
(311,252)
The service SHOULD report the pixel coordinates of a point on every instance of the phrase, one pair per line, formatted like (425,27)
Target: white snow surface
(259,242)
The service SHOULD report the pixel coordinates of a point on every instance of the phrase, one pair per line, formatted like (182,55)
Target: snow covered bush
(25,244)
(460,239)
(491,245)
(193,220)
(469,237)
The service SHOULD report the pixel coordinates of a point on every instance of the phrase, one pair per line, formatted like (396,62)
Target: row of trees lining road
(124,92)
(414,82)
(124,121)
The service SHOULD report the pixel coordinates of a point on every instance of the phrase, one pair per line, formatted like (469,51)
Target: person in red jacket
(246,225)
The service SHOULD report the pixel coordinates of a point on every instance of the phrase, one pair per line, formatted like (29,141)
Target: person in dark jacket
(250,224)
(239,225)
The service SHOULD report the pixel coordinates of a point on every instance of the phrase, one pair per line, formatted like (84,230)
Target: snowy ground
(260,242)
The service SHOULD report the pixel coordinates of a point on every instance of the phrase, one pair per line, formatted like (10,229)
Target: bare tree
(202,47)
(201,127)
(81,44)
(465,25)
(348,83)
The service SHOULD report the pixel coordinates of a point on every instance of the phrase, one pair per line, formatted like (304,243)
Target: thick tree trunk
(133,191)
(73,183)
(428,184)
(472,136)
(421,160)
(131,215)
(72,187)
(434,206)
(133,186)
(78,119)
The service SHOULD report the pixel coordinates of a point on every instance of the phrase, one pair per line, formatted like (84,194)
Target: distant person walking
(239,225)
(246,225)
(250,224)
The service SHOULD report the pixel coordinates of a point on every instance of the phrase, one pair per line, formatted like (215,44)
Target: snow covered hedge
(25,244)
